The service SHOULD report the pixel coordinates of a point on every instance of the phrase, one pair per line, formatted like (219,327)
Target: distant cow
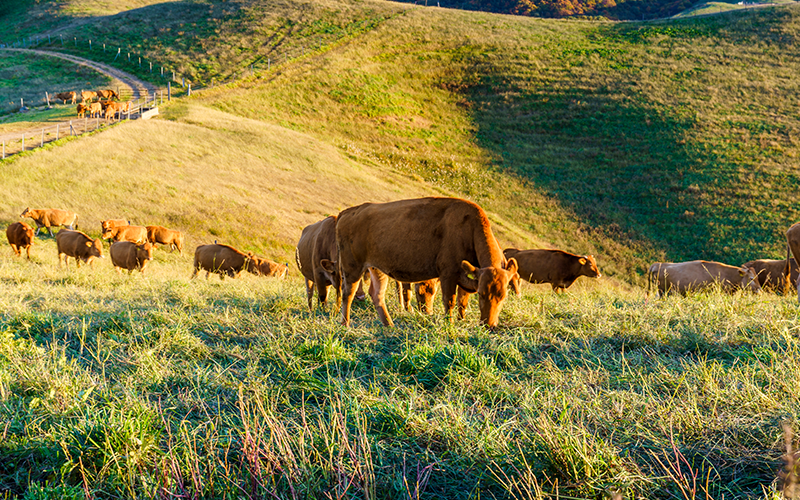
(221,259)
(79,246)
(418,240)
(124,107)
(107,94)
(107,224)
(134,234)
(558,268)
(95,109)
(82,109)
(697,275)
(265,267)
(88,95)
(67,96)
(772,274)
(20,235)
(161,235)
(51,217)
(130,256)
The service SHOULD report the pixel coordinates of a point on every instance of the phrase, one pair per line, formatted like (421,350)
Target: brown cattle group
(106,106)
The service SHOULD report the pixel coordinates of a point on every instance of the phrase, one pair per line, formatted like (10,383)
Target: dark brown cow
(20,235)
(51,217)
(82,109)
(107,94)
(698,275)
(130,256)
(772,274)
(558,268)
(161,235)
(67,96)
(418,240)
(134,234)
(107,224)
(88,95)
(79,246)
(221,259)
(265,267)
(318,243)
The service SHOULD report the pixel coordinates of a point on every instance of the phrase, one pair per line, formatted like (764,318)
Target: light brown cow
(110,108)
(107,224)
(95,109)
(318,243)
(67,96)
(793,249)
(130,256)
(698,275)
(772,274)
(51,217)
(134,234)
(159,234)
(82,109)
(107,94)
(221,259)
(125,107)
(20,235)
(558,268)
(88,95)
(265,267)
(79,246)
(418,240)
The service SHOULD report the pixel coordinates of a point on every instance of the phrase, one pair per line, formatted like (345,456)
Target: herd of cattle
(426,243)
(107,104)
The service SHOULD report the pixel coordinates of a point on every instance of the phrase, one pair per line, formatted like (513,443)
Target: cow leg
(28,251)
(322,293)
(448,294)
(404,292)
(348,294)
(49,231)
(14,248)
(463,302)
(380,284)
(309,293)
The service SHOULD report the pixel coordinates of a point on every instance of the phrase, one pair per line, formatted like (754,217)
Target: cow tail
(649,280)
(296,259)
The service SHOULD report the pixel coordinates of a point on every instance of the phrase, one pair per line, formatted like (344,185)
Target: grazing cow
(697,275)
(424,293)
(88,95)
(51,217)
(318,243)
(159,234)
(67,96)
(265,267)
(95,109)
(124,107)
(79,246)
(107,94)
(221,259)
(130,256)
(558,268)
(418,240)
(134,234)
(793,250)
(82,109)
(20,235)
(772,274)
(107,224)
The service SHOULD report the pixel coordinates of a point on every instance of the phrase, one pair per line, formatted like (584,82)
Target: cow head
(331,270)
(144,252)
(589,266)
(749,279)
(252,263)
(26,213)
(491,284)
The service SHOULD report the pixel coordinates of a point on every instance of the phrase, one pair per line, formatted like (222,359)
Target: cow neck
(486,246)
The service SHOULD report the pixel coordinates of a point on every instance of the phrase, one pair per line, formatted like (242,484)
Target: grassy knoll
(142,387)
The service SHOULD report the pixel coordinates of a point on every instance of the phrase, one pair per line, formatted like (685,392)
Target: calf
(159,234)
(698,275)
(95,109)
(265,267)
(82,109)
(107,224)
(79,246)
(558,268)
(51,217)
(221,259)
(20,235)
(130,256)
(134,234)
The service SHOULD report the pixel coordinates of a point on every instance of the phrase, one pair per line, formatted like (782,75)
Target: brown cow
(107,224)
(124,107)
(107,94)
(130,256)
(110,108)
(79,246)
(82,109)
(51,217)
(558,268)
(792,249)
(318,243)
(418,240)
(88,95)
(95,109)
(424,293)
(697,275)
(265,267)
(159,234)
(20,235)
(134,234)
(67,96)
(220,259)
(772,274)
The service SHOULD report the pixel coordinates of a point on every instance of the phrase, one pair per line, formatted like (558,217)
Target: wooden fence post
(42,145)
(48,98)
(56,131)
(190,90)
(169,91)
(71,128)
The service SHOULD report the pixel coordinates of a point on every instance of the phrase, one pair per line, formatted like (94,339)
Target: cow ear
(88,243)
(328,265)
(582,261)
(742,270)
(468,268)
(512,266)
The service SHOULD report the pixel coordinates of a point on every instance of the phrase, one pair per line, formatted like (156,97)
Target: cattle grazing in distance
(124,107)
(51,217)
(82,109)
(107,224)
(265,267)
(20,235)
(79,246)
(558,268)
(88,95)
(418,240)
(772,274)
(169,237)
(793,250)
(110,108)
(107,94)
(67,96)
(699,275)
(130,256)
(134,234)
(95,109)
(221,259)
(318,243)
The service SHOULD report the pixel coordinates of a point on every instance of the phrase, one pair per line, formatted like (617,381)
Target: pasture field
(139,387)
